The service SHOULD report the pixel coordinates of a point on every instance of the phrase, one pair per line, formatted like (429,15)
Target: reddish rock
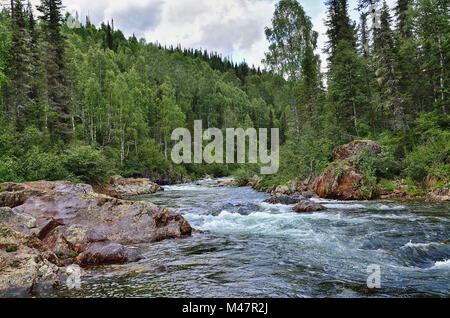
(341,182)
(70,218)
(107,253)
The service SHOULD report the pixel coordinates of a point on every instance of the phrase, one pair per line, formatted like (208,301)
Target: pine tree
(339,26)
(21,69)
(58,92)
(346,90)
(384,58)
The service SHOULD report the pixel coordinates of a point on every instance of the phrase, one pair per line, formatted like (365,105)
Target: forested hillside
(84,103)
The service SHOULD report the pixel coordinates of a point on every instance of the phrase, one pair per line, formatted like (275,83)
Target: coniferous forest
(84,103)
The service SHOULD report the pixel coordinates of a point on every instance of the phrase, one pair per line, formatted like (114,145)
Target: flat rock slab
(79,225)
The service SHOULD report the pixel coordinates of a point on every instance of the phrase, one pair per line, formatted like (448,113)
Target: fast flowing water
(249,248)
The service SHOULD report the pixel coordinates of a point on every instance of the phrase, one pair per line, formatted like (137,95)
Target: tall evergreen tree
(340,28)
(384,58)
(21,68)
(58,92)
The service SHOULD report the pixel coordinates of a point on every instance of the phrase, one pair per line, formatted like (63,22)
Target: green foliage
(107,104)
(87,164)
(10,169)
(380,166)
(387,185)
(11,248)
(272,180)
(243,175)
(44,166)
(304,157)
(431,156)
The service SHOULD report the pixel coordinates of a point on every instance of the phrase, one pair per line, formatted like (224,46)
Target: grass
(387,185)
(11,248)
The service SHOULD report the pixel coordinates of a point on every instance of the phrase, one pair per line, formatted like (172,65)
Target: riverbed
(248,248)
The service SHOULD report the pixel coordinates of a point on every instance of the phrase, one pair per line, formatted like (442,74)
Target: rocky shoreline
(342,180)
(47,226)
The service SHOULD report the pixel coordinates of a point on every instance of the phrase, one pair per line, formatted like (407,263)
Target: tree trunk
(13,22)
(441,62)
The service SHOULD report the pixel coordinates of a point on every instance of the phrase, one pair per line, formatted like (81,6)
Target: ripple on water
(250,248)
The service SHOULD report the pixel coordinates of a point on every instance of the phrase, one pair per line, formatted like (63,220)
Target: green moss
(338,172)
(11,248)
(59,253)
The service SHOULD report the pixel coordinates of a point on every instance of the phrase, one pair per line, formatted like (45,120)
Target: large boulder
(107,253)
(25,262)
(354,149)
(71,219)
(341,181)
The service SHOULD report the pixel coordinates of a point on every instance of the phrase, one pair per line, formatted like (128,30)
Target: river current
(248,248)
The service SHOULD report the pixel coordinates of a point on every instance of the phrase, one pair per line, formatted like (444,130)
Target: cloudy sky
(234,28)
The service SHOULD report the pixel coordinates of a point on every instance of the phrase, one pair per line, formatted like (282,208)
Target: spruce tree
(58,92)
(384,58)
(21,69)
(339,26)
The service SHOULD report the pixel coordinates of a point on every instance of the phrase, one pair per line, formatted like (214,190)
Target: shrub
(242,176)
(432,154)
(11,248)
(44,166)
(10,170)
(387,185)
(87,164)
(380,166)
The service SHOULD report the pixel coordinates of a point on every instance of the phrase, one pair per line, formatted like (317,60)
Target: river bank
(246,247)
(356,173)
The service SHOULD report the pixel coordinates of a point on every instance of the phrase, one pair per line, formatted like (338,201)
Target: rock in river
(308,206)
(341,181)
(285,199)
(48,224)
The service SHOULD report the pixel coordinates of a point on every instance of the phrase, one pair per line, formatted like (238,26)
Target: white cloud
(234,28)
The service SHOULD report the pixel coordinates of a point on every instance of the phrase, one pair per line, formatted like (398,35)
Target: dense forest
(83,103)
